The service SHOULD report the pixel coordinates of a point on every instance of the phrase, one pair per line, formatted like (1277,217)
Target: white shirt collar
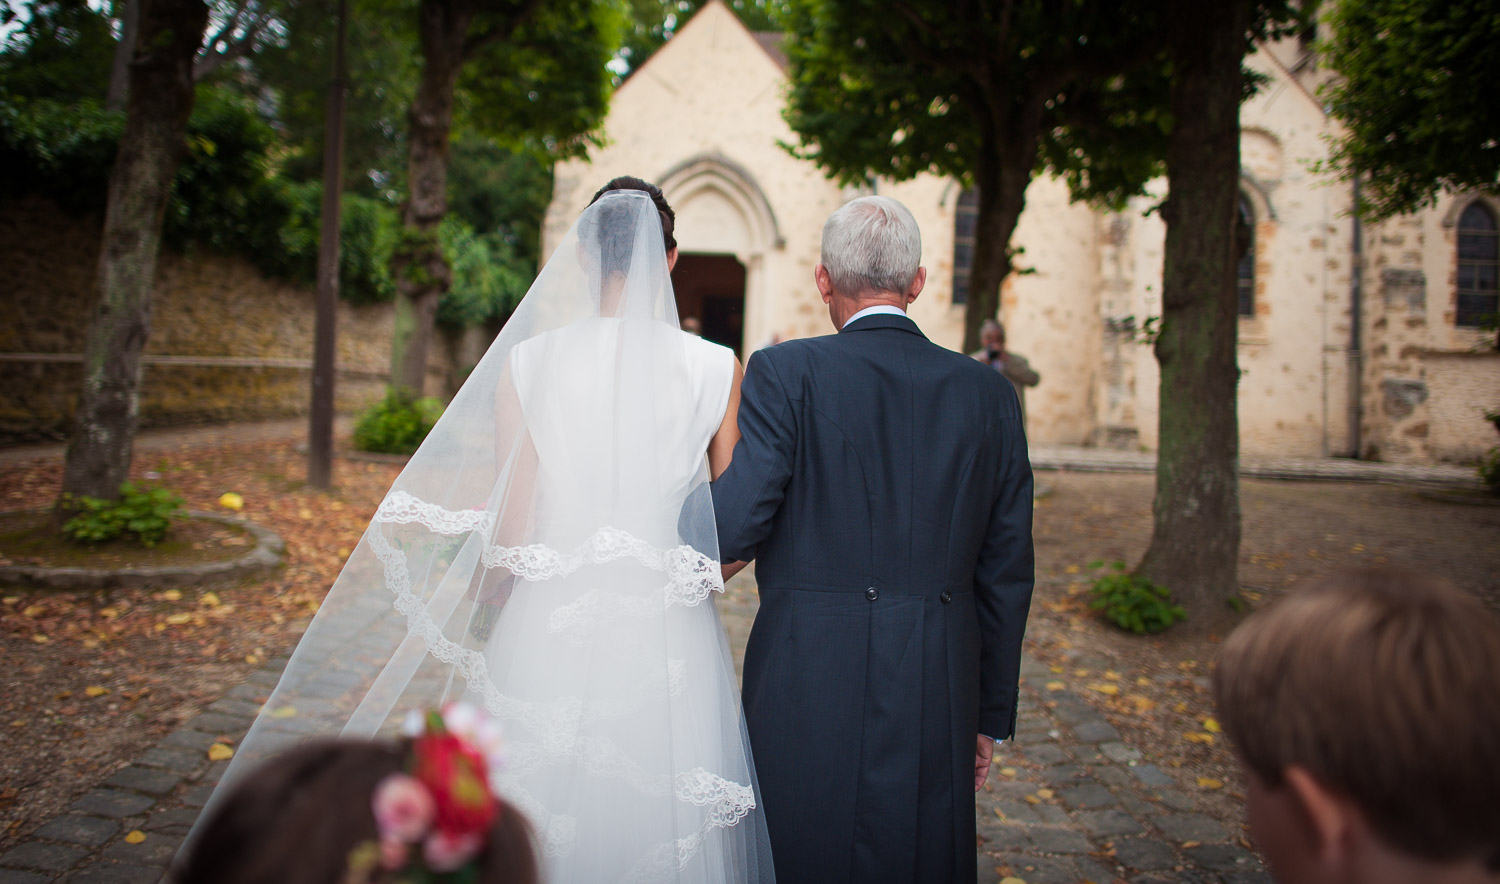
(878,308)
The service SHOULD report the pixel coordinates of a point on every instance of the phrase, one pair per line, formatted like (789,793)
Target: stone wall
(226,343)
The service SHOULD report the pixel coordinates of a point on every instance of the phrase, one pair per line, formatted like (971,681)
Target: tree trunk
(1195,541)
(160,102)
(1002,174)
(421,271)
(119,73)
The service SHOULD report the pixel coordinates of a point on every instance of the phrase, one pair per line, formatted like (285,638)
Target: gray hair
(872,244)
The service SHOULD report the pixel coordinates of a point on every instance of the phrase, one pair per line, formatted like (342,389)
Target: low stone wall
(226,343)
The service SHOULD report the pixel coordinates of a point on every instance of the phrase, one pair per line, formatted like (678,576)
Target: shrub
(1134,603)
(144,513)
(397,424)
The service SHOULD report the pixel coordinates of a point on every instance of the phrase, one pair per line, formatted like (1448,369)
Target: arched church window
(965,220)
(1478,260)
(1244,279)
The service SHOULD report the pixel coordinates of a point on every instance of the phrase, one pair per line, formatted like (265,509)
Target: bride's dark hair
(668,217)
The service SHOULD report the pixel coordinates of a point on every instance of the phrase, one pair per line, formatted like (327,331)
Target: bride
(550,555)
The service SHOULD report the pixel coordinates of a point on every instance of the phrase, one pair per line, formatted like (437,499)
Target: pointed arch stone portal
(725,228)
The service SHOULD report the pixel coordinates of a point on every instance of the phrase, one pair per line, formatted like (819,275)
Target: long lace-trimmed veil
(549,553)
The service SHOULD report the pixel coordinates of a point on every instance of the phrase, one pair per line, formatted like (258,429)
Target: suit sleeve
(751,489)
(1003,581)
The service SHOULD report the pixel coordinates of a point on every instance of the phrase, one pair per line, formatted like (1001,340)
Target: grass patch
(28,538)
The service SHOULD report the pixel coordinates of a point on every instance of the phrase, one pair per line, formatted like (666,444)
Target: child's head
(1366,709)
(308,817)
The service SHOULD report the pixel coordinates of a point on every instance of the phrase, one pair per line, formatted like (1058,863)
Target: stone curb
(266,556)
(1321,471)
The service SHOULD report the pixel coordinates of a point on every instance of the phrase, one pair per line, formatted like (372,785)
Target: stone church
(1354,339)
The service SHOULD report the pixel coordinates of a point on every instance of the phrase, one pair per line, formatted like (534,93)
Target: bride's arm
(721,447)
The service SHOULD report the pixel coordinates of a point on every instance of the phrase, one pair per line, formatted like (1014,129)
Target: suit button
(946,597)
(872,594)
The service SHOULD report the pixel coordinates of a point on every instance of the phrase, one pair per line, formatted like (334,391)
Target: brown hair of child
(1384,685)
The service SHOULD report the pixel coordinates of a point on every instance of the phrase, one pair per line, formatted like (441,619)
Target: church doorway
(711,290)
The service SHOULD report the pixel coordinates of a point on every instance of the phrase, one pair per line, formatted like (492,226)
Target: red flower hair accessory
(443,804)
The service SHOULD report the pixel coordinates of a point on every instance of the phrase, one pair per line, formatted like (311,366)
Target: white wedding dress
(550,555)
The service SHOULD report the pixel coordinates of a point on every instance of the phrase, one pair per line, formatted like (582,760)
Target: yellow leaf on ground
(1012,880)
(1210,783)
(1055,686)
(220,752)
(211,599)
(40,639)
(1142,704)
(95,691)
(1007,771)
(1044,793)
(231,501)
(1111,675)
(172,595)
(31,612)
(285,712)
(1143,681)
(179,619)
(1195,737)
(1057,670)
(1072,569)
(1211,725)
(1108,689)
(135,836)
(1080,673)
(1032,799)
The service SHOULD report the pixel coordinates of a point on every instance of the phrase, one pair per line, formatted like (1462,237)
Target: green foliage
(1413,97)
(489,277)
(883,93)
(224,196)
(546,86)
(62,52)
(1133,603)
(651,23)
(59,149)
(368,231)
(396,424)
(1489,470)
(142,513)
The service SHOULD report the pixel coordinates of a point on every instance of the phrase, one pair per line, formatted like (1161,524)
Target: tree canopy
(1414,95)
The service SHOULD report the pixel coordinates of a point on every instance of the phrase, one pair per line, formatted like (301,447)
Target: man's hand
(729,569)
(984,750)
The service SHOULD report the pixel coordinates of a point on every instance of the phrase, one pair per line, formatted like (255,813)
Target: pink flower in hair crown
(436,815)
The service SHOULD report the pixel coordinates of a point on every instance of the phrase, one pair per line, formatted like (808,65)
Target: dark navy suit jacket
(882,486)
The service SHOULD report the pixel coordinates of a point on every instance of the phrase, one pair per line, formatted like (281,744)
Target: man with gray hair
(1013,366)
(881,485)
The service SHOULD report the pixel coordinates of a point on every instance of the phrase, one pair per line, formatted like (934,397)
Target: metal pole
(325,342)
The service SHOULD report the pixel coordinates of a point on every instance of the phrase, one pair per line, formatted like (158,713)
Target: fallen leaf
(31,612)
(1212,726)
(1187,844)
(95,691)
(172,595)
(40,639)
(1143,681)
(179,619)
(1013,880)
(1107,689)
(1055,686)
(1007,771)
(135,836)
(220,752)
(210,599)
(231,501)
(285,712)
(1210,783)
(1044,793)
(1195,737)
